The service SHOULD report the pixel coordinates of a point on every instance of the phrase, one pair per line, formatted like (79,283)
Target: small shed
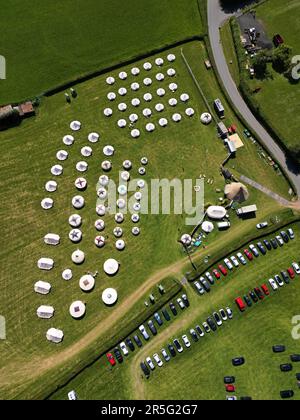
(54,335)
(45,312)
(52,239)
(42,287)
(45,264)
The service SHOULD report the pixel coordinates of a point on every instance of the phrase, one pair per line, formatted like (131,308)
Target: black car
(228,380)
(172,350)
(238,361)
(298,376)
(130,344)
(138,341)
(152,327)
(173,308)
(247,301)
(118,355)
(278,349)
(262,248)
(279,280)
(194,335)
(285,277)
(217,318)
(295,358)
(211,324)
(268,245)
(286,367)
(177,345)
(285,237)
(259,293)
(206,285)
(287,394)
(246,398)
(199,331)
(145,369)
(185,300)
(158,319)
(274,243)
(166,315)
(253,297)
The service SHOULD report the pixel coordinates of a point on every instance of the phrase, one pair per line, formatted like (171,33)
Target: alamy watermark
(296,329)
(157,197)
(2,328)
(2,67)
(296,67)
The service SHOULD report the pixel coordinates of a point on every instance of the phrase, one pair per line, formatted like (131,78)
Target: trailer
(219,108)
(245,211)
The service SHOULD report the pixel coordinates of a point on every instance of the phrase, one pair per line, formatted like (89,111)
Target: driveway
(216,17)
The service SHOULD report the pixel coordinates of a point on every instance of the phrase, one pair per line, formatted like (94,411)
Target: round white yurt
(184,97)
(161,92)
(147,112)
(120,245)
(186,239)
(111,267)
(163,122)
(86,151)
(51,186)
(111,96)
(176,118)
(141,183)
(81,184)
(122,190)
(78,257)
(122,91)
(42,287)
(67,274)
(110,80)
(159,107)
(75,220)
(118,232)
(150,127)
(121,204)
(82,166)
(136,231)
(77,309)
(108,112)
(45,312)
(135,86)
(102,193)
(45,264)
(52,239)
(147,66)
(135,71)
(173,87)
(135,133)
(99,241)
(173,102)
(100,225)
(122,107)
(123,75)
(189,112)
(62,155)
(206,118)
(119,217)
(171,58)
(93,137)
(127,165)
(75,236)
(104,180)
(133,118)
(207,227)
(142,171)
(54,335)
(101,210)
(47,203)
(109,297)
(122,123)
(135,218)
(68,140)
(78,202)
(57,170)
(135,102)
(160,77)
(108,150)
(106,166)
(147,97)
(159,61)
(171,72)
(75,125)
(87,283)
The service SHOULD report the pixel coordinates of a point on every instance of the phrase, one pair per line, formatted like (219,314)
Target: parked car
(279,240)
(206,286)
(229,312)
(152,327)
(234,261)
(199,288)
(295,358)
(223,314)
(229,380)
(144,332)
(298,376)
(150,363)
(211,324)
(287,367)
(158,360)
(194,335)
(210,278)
(206,327)
(240,304)
(111,359)
(267,245)
(130,344)
(173,308)
(248,301)
(118,355)
(185,300)
(158,319)
(230,388)
(138,341)
(296,268)
(291,273)
(180,303)
(242,258)
(217,319)
(285,277)
(254,250)
(278,349)
(223,270)
(145,369)
(285,236)
(238,361)
(231,398)
(166,315)
(291,233)
(178,345)
(259,293)
(216,274)
(199,331)
(246,398)
(172,350)
(262,225)
(248,255)
(261,248)
(186,341)
(72,396)
(279,280)
(228,264)
(274,243)
(287,394)
(253,297)
(273,284)
(124,349)
(265,289)
(165,355)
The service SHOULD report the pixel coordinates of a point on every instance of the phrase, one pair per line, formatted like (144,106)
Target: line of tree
(280,58)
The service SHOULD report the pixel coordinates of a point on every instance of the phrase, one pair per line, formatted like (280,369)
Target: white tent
(110,80)
(108,112)
(135,86)
(137,207)
(47,203)
(54,335)
(122,91)
(67,274)
(138,196)
(99,241)
(57,170)
(135,71)
(142,171)
(186,239)
(135,133)
(119,217)
(68,140)
(133,118)
(147,112)
(171,58)
(86,151)
(173,87)
(45,264)
(111,96)
(42,287)
(78,202)
(81,184)
(125,176)
(120,245)
(173,102)
(150,127)
(135,231)
(147,81)
(127,164)
(78,257)
(161,92)
(206,118)
(190,112)
(106,166)
(207,227)
(122,123)
(82,166)
(77,309)
(101,210)
(75,125)
(108,150)
(176,117)
(216,212)
(141,183)
(123,75)
(87,283)
(148,97)
(45,312)
(52,239)
(104,180)
(100,225)
(62,155)
(111,267)
(184,97)
(102,193)
(93,137)
(159,107)
(75,220)
(163,122)
(118,232)
(159,62)
(135,102)
(51,186)
(147,66)
(135,218)
(160,77)
(144,160)
(75,236)
(109,296)
(122,190)
(122,107)
(121,204)
(171,72)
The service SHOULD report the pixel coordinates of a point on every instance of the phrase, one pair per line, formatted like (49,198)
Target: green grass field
(229,51)
(28,152)
(198,373)
(62,41)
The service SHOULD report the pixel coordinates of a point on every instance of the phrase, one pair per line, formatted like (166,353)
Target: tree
(260,65)
(281,59)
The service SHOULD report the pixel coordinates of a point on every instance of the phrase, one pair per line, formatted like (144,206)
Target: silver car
(157,360)
(144,332)
(150,363)
(165,355)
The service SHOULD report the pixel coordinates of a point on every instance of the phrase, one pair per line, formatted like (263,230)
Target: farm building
(26,110)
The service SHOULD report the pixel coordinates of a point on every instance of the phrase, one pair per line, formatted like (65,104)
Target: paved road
(216,16)
(266,191)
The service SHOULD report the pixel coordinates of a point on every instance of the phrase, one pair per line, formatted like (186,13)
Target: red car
(291,273)
(216,274)
(230,388)
(265,289)
(248,255)
(240,303)
(223,270)
(111,359)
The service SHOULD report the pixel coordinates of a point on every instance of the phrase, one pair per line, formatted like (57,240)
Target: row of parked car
(205,282)
(158,320)
(287,367)
(259,293)
(211,324)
